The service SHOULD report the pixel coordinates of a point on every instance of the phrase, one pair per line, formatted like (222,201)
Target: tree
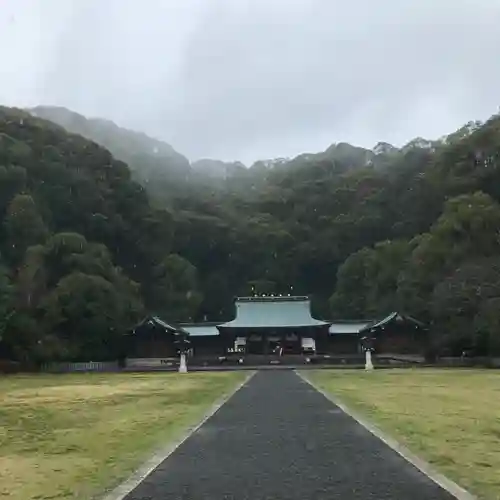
(350,297)
(88,317)
(12,181)
(367,281)
(24,227)
(464,305)
(469,228)
(6,304)
(487,326)
(388,259)
(175,289)
(43,286)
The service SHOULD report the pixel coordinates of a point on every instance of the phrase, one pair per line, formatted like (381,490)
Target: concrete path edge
(424,467)
(123,489)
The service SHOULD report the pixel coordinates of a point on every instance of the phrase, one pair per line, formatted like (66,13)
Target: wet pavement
(278,438)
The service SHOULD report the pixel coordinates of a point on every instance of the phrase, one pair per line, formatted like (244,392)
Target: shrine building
(275,325)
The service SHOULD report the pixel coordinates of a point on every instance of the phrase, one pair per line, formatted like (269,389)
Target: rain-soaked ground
(278,438)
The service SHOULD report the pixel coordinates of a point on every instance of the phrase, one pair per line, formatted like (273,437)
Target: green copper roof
(201,330)
(345,327)
(273,312)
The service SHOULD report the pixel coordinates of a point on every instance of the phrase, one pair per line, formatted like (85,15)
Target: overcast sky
(250,79)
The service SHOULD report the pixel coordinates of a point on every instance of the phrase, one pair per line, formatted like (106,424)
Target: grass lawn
(451,418)
(72,436)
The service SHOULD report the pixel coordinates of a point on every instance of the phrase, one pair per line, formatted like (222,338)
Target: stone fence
(141,364)
(88,366)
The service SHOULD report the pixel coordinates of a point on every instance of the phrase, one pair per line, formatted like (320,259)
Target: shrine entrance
(274,343)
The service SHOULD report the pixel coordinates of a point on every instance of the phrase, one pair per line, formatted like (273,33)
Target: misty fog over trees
(101,225)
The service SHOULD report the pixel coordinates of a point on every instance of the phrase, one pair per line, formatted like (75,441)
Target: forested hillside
(83,254)
(89,246)
(153,163)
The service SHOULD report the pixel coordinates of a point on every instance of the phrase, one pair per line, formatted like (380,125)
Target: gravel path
(278,438)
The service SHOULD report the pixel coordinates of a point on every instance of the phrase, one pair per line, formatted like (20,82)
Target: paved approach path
(279,439)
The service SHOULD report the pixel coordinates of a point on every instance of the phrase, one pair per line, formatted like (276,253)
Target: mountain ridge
(96,129)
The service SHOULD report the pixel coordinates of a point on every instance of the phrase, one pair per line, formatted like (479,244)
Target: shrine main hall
(277,326)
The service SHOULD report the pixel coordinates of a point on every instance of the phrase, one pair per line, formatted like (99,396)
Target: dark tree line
(83,252)
(89,245)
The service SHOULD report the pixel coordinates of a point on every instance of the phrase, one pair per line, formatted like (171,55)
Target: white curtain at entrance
(308,344)
(240,343)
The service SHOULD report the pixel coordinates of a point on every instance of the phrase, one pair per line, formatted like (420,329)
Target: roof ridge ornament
(272,298)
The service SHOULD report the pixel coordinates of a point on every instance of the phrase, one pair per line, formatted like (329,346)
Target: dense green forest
(101,225)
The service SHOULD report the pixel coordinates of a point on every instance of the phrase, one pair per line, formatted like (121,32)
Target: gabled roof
(156,321)
(347,327)
(160,322)
(393,317)
(273,312)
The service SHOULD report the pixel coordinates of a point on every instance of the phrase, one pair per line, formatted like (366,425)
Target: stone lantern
(183,345)
(367,344)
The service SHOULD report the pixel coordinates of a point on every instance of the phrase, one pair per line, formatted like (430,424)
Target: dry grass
(72,436)
(451,418)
